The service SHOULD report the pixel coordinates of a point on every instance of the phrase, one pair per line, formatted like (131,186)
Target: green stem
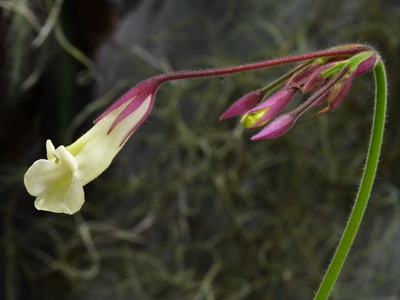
(365,186)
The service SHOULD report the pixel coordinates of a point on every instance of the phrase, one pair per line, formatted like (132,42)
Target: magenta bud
(276,128)
(315,79)
(319,100)
(243,105)
(366,65)
(133,99)
(340,90)
(270,107)
(300,77)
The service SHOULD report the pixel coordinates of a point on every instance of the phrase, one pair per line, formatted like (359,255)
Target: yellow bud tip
(250,119)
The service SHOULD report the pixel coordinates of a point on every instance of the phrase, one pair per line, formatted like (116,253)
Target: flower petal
(44,174)
(66,157)
(67,197)
(50,151)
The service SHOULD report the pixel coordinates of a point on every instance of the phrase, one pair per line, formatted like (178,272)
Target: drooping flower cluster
(330,78)
(57,182)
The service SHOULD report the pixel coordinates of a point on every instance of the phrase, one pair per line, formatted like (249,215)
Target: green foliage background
(191,209)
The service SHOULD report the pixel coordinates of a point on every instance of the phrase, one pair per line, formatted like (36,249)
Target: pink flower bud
(276,128)
(315,79)
(243,105)
(366,65)
(319,100)
(135,98)
(267,110)
(300,77)
(340,90)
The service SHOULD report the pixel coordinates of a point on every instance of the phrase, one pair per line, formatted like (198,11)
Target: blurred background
(190,208)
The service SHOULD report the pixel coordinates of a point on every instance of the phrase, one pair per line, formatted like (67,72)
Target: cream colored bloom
(57,182)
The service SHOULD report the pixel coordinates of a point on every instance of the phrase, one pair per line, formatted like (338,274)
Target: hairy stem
(259,65)
(365,187)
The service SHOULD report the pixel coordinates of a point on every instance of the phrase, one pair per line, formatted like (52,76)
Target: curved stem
(365,186)
(259,65)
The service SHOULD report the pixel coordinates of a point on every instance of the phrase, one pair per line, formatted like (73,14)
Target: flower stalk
(329,72)
(57,182)
(365,188)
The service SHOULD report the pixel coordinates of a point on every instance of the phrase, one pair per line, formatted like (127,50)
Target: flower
(276,128)
(338,92)
(367,64)
(330,78)
(316,78)
(264,112)
(242,105)
(299,77)
(57,182)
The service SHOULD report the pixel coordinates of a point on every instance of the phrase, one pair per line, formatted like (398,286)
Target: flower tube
(57,182)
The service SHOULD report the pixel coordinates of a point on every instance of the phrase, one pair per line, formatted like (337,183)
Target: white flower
(57,182)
